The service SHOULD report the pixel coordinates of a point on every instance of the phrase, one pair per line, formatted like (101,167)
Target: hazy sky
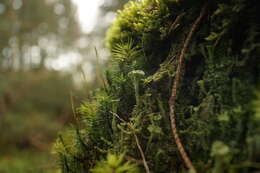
(87,13)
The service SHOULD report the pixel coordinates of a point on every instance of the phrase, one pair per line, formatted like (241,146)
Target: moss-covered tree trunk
(180,92)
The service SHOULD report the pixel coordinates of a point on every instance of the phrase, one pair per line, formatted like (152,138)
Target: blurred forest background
(47,65)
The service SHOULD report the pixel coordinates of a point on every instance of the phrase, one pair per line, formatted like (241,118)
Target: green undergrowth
(27,161)
(217,103)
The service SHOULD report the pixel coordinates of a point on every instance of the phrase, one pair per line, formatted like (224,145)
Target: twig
(176,81)
(175,23)
(136,141)
(140,162)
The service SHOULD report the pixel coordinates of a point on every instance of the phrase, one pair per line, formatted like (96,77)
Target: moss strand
(136,141)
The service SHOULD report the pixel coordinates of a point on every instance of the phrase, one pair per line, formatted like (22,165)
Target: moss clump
(216,115)
(115,164)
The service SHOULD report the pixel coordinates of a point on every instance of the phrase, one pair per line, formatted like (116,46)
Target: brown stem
(172,100)
(136,141)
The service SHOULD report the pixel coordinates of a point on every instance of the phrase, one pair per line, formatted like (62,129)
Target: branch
(172,100)
(136,141)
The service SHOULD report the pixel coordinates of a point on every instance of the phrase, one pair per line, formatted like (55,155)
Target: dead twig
(172,100)
(136,141)
(175,24)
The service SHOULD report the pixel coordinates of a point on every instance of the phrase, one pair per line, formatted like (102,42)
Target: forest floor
(27,161)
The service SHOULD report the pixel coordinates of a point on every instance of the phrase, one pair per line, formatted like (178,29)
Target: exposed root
(175,85)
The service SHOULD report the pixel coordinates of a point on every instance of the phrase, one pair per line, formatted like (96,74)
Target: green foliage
(223,157)
(125,52)
(34,106)
(217,116)
(26,101)
(27,161)
(136,18)
(145,23)
(115,164)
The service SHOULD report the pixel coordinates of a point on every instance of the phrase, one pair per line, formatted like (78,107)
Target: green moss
(146,23)
(115,164)
(215,118)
